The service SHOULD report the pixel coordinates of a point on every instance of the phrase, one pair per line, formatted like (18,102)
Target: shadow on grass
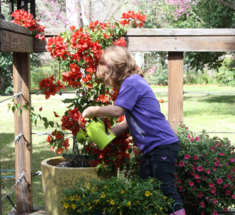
(220,99)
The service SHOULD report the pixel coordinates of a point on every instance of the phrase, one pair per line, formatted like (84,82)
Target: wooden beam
(175,88)
(0,191)
(23,149)
(9,26)
(14,42)
(182,43)
(180,32)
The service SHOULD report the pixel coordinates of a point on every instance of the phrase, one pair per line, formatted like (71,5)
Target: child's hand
(90,112)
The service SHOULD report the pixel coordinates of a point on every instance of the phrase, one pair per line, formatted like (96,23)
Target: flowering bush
(205,172)
(23,18)
(115,196)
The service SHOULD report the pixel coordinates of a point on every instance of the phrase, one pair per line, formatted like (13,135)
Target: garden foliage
(205,172)
(116,196)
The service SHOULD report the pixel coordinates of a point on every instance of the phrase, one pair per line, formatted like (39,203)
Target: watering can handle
(95,119)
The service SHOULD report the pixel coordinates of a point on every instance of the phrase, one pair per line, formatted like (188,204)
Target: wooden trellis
(18,39)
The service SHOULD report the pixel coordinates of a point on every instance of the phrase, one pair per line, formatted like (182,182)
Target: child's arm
(108,111)
(120,128)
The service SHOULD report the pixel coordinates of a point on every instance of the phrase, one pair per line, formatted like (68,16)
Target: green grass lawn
(214,113)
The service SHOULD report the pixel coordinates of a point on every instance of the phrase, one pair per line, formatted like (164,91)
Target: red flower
(191,183)
(181,164)
(200,195)
(211,184)
(202,204)
(120,42)
(187,156)
(55,114)
(219,181)
(195,157)
(213,190)
(72,27)
(227,192)
(40,109)
(214,201)
(199,168)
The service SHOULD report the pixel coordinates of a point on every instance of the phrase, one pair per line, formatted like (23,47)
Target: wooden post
(0,190)
(175,88)
(23,149)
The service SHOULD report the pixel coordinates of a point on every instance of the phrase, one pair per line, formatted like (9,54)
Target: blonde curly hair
(115,65)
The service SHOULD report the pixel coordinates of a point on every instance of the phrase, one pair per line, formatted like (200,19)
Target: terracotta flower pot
(56,179)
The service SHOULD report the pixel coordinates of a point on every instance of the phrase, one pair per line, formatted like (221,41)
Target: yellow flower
(129,203)
(147,193)
(105,187)
(160,209)
(73,206)
(72,198)
(79,210)
(137,202)
(122,191)
(155,214)
(90,208)
(66,205)
(112,202)
(103,196)
(78,198)
(164,197)
(146,208)
(89,204)
(120,213)
(88,184)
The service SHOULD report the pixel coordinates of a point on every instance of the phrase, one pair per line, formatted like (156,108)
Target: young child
(148,126)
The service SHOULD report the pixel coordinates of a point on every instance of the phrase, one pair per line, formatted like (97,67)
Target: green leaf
(20,112)
(51,124)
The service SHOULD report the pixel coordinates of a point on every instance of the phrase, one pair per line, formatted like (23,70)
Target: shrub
(116,196)
(205,172)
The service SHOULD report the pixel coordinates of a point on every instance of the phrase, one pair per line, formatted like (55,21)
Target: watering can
(97,131)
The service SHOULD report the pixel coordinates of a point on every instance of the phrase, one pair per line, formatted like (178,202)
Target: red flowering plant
(205,172)
(81,49)
(23,18)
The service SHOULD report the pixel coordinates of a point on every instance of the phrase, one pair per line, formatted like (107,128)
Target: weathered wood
(175,88)
(23,149)
(0,190)
(170,43)
(182,43)
(180,32)
(9,26)
(15,42)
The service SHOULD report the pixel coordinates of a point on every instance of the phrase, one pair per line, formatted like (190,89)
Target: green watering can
(97,131)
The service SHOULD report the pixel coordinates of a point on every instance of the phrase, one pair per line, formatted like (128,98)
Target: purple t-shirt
(147,124)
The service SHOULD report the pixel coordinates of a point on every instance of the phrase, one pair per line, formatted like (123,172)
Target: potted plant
(115,196)
(80,49)
(205,172)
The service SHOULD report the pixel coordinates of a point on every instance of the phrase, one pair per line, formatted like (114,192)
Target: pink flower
(215,213)
(226,209)
(196,176)
(193,168)
(229,176)
(219,181)
(221,154)
(216,164)
(202,213)
(197,138)
(217,159)
(179,180)
(231,159)
(202,204)
(180,188)
(181,163)
(214,169)
(194,188)
(188,136)
(214,201)
(191,183)
(227,192)
(208,171)
(192,173)
(225,186)
(213,190)
(195,157)
(233,196)
(192,140)
(200,195)
(198,180)
(204,178)
(199,168)
(208,199)
(187,156)
(211,184)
